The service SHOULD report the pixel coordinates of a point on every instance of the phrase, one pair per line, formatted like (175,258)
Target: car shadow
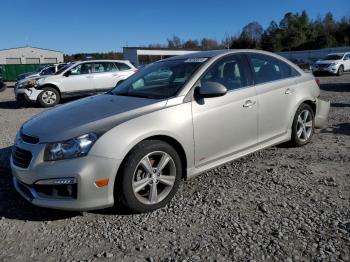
(336,87)
(340,104)
(339,129)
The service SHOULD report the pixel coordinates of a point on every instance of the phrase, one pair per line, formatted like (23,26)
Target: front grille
(21,157)
(29,139)
(323,65)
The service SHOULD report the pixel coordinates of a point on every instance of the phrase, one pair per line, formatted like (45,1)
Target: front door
(225,125)
(80,80)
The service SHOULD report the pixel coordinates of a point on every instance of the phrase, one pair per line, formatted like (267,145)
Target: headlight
(29,83)
(333,64)
(73,148)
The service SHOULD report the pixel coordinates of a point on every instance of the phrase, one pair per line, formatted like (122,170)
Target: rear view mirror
(212,89)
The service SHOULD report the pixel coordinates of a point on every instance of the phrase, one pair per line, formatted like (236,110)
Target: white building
(143,55)
(30,55)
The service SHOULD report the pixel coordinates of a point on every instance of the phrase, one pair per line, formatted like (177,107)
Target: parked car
(80,78)
(136,142)
(42,71)
(2,85)
(336,64)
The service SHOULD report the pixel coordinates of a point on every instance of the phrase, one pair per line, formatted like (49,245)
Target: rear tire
(303,125)
(49,97)
(149,177)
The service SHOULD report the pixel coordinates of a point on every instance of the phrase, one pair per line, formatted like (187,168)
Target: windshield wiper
(134,95)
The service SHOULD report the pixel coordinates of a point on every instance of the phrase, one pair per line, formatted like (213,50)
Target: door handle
(288,91)
(249,103)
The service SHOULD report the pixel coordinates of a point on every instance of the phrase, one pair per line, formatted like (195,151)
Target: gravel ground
(288,204)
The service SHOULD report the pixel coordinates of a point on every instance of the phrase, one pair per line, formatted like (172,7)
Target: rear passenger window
(230,72)
(123,67)
(267,68)
(104,67)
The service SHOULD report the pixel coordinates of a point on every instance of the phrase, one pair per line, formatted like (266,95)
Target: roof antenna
(27,40)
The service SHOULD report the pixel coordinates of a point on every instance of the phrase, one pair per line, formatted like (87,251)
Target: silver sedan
(171,121)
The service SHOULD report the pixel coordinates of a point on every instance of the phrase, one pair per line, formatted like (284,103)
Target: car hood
(92,114)
(327,61)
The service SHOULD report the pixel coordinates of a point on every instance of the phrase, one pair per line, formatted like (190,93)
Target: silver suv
(174,119)
(76,79)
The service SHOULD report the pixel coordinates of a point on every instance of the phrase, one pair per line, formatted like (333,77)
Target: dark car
(2,85)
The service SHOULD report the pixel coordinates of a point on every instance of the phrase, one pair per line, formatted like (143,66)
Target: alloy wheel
(304,125)
(49,97)
(154,177)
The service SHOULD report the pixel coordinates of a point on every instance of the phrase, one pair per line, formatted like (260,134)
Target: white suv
(81,78)
(336,63)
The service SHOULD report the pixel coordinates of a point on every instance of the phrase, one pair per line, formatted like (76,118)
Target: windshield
(333,57)
(160,80)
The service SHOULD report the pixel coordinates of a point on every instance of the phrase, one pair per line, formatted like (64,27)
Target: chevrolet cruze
(171,121)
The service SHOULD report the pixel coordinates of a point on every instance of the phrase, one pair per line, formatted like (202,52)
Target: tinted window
(229,72)
(81,69)
(104,67)
(333,57)
(123,66)
(159,80)
(267,68)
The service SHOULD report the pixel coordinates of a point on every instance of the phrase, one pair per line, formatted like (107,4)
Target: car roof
(103,60)
(216,53)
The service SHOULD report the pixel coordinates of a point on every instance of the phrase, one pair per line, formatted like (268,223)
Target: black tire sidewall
(123,185)
(340,70)
(295,139)
(42,103)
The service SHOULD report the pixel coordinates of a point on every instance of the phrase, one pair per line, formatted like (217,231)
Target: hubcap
(304,126)
(154,177)
(49,97)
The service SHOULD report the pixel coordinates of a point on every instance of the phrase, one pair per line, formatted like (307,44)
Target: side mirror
(68,73)
(212,89)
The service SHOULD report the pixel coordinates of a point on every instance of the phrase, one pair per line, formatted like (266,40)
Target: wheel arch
(52,86)
(307,100)
(169,140)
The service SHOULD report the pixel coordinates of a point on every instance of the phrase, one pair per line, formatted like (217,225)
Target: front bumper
(85,170)
(322,111)
(27,94)
(330,69)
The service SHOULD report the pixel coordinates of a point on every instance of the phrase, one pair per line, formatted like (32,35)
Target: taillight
(135,71)
(318,82)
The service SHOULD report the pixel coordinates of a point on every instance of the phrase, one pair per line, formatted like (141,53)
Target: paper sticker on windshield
(196,60)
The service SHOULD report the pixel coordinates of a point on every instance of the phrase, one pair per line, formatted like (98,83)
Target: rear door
(79,80)
(225,125)
(347,62)
(104,76)
(275,87)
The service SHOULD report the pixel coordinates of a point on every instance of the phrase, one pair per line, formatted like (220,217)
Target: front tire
(303,125)
(340,70)
(49,97)
(150,176)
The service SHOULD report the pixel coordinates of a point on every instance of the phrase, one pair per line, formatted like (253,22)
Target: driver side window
(230,72)
(81,69)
